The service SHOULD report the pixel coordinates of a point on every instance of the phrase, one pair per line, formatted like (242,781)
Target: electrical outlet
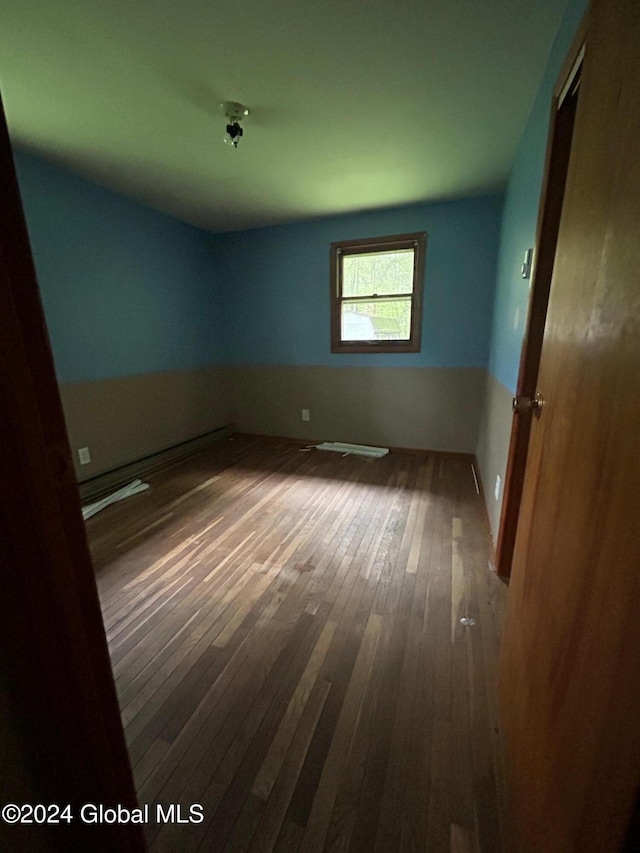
(306,415)
(497,488)
(84,456)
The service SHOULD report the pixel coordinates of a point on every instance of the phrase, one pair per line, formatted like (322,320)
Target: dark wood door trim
(556,165)
(54,646)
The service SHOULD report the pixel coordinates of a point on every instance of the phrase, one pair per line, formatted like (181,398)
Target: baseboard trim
(417,451)
(107,481)
(451,454)
(485,513)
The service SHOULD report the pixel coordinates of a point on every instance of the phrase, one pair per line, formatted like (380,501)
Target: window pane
(378,273)
(379,320)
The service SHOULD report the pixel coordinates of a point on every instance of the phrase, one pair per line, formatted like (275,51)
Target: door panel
(569,686)
(57,682)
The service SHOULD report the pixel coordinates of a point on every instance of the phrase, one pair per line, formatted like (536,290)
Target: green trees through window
(376,289)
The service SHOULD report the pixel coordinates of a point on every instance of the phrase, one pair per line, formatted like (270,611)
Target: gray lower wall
(425,408)
(494,435)
(463,410)
(125,419)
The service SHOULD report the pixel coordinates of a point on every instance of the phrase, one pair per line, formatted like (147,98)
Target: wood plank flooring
(285,634)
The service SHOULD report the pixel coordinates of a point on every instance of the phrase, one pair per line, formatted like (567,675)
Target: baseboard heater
(103,484)
(353,449)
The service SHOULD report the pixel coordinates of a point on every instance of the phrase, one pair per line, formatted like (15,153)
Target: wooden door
(58,695)
(570,668)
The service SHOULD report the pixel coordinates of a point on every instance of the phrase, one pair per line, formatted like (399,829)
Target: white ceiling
(354,105)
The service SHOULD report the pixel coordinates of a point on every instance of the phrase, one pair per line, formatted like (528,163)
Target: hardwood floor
(285,634)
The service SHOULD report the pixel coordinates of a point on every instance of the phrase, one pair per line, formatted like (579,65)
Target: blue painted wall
(521,211)
(276,309)
(126,290)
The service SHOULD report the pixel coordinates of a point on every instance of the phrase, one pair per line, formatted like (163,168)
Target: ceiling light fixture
(234,113)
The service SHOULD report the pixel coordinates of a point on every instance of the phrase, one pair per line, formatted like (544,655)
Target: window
(376,293)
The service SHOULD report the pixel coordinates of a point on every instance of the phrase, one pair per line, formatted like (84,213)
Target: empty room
(319,414)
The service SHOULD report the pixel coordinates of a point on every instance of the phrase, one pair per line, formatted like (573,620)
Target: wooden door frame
(547,227)
(60,683)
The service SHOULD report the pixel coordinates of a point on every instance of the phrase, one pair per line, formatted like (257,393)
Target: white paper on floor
(133,488)
(355,449)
